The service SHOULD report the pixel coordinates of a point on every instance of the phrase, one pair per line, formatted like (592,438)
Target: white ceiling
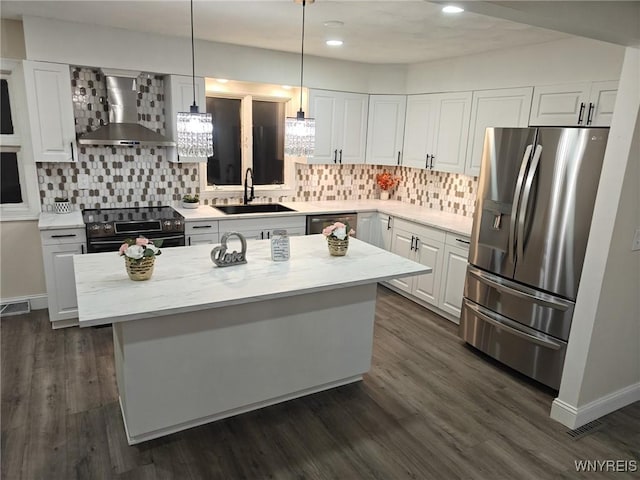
(396,31)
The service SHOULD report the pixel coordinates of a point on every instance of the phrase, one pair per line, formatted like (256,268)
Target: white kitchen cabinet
(454,268)
(436,131)
(424,245)
(341,126)
(201,232)
(383,232)
(179,90)
(375,228)
(365,230)
(507,107)
(584,104)
(385,129)
(58,249)
(262,228)
(48,90)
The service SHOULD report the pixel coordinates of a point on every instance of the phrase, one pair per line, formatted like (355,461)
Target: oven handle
(512,327)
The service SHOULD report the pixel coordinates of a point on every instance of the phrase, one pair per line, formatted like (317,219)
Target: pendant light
(195,130)
(300,132)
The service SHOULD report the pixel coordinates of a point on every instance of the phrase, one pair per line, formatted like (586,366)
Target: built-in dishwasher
(315,223)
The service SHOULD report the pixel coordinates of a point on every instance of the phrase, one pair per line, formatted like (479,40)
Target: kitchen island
(197,343)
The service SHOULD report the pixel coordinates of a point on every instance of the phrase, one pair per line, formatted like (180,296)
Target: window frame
(287,188)
(20,143)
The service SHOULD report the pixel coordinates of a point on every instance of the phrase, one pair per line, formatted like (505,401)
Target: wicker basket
(338,248)
(139,269)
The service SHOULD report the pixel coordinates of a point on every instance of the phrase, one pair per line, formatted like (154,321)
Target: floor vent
(585,430)
(14,308)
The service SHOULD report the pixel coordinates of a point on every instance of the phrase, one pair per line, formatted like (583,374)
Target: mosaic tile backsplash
(129,177)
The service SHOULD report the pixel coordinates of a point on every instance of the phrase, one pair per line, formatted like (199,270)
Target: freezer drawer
(532,308)
(532,353)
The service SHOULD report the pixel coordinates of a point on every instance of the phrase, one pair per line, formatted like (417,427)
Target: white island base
(179,371)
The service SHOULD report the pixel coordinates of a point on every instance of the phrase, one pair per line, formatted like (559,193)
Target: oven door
(112,244)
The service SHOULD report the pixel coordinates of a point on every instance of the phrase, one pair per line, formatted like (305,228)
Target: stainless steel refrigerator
(536,193)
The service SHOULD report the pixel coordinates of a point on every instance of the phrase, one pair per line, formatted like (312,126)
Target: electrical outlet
(83,181)
(635,245)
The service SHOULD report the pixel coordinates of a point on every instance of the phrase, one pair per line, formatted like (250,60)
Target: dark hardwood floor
(430,408)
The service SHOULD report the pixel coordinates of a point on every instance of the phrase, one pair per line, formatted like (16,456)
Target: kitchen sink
(256,208)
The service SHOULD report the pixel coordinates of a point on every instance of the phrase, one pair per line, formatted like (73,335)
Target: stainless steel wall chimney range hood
(123,128)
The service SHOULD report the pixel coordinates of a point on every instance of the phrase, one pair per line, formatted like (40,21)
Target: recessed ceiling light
(452,9)
(333,23)
(334,43)
(222,80)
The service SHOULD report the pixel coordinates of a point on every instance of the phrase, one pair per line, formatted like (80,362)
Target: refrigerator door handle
(516,200)
(525,199)
(514,328)
(519,291)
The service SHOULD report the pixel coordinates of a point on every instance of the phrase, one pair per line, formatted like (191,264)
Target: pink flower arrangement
(137,249)
(338,230)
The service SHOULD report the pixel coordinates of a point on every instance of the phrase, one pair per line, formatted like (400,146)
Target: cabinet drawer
(457,240)
(203,226)
(421,231)
(265,223)
(63,235)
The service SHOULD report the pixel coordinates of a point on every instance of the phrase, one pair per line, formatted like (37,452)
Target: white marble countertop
(426,216)
(185,279)
(57,221)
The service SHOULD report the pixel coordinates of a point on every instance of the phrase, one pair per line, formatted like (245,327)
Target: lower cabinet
(58,249)
(445,253)
(454,268)
(374,228)
(262,228)
(201,232)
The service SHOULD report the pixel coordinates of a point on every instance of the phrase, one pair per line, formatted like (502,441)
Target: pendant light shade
(195,130)
(300,132)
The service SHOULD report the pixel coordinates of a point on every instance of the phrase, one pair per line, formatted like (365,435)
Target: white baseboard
(574,417)
(37,302)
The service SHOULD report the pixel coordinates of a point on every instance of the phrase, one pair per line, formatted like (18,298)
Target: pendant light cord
(302,54)
(193,64)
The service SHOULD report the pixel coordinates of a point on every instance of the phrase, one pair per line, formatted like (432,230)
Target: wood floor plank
(429,408)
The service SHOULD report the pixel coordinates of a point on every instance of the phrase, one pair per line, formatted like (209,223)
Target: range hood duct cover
(123,127)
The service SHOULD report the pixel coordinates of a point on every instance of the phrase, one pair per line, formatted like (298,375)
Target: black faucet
(248,196)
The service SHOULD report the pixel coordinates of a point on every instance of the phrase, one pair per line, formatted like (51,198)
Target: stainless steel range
(107,228)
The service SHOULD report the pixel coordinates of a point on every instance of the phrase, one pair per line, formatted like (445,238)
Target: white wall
(602,367)
(117,48)
(561,61)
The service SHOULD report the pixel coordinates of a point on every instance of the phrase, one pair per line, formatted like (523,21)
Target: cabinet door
(509,107)
(384,231)
(420,127)
(180,90)
(323,107)
(60,279)
(453,276)
(401,244)
(364,229)
(427,286)
(560,105)
(48,89)
(351,130)
(204,238)
(385,129)
(452,132)
(601,103)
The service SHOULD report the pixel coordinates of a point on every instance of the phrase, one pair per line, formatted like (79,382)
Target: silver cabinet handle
(431,162)
(66,235)
(412,240)
(514,208)
(467,242)
(72,157)
(417,243)
(512,327)
(335,156)
(340,161)
(398,158)
(426,163)
(590,114)
(389,222)
(201,226)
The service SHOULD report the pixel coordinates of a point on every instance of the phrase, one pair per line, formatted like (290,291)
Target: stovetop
(132,214)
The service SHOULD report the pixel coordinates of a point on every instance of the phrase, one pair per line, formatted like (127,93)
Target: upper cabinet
(508,107)
(436,131)
(48,90)
(385,129)
(180,93)
(341,126)
(583,104)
